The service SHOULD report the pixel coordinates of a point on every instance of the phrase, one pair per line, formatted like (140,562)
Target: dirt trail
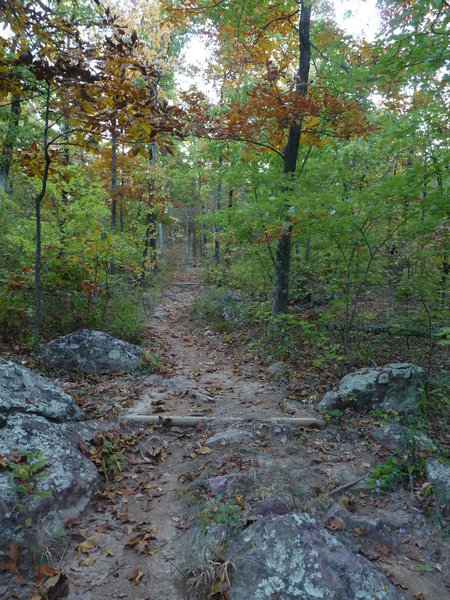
(201,378)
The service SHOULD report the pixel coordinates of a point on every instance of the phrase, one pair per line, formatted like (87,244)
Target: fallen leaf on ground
(71,522)
(136,576)
(395,581)
(204,450)
(43,571)
(240,501)
(55,587)
(335,524)
(85,547)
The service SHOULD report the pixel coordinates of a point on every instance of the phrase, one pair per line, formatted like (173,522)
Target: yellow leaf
(90,560)
(138,577)
(107,552)
(85,547)
(204,450)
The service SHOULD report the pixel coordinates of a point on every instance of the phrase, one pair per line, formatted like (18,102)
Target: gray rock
(23,391)
(71,476)
(200,397)
(398,436)
(373,526)
(231,436)
(395,519)
(343,476)
(439,475)
(223,485)
(291,557)
(395,386)
(92,352)
(270,506)
(277,370)
(202,544)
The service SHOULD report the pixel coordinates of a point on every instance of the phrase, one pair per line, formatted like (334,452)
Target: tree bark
(218,207)
(8,143)
(37,205)
(113,192)
(150,220)
(290,155)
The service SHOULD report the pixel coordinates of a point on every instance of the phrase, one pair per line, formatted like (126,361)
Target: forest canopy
(313,182)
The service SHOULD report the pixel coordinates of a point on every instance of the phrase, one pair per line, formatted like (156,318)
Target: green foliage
(222,308)
(112,459)
(333,415)
(227,513)
(27,473)
(386,475)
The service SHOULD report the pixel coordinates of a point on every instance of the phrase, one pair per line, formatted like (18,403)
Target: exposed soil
(135,540)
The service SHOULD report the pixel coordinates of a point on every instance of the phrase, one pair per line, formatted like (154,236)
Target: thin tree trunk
(8,143)
(37,205)
(218,207)
(113,192)
(290,154)
(150,221)
(161,238)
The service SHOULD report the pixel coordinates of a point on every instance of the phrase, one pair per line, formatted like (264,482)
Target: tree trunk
(37,205)
(161,239)
(8,144)
(113,193)
(150,221)
(290,154)
(218,207)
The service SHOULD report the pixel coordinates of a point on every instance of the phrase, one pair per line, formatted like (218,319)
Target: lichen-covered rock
(439,475)
(292,558)
(395,386)
(69,476)
(92,352)
(23,391)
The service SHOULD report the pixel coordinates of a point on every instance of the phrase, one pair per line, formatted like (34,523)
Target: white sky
(357,18)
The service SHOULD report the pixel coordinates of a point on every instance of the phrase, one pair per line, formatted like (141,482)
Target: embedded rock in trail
(224,485)
(92,352)
(274,505)
(23,391)
(395,386)
(291,557)
(71,477)
(277,370)
(229,437)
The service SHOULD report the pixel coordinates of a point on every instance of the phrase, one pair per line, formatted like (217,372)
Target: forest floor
(144,530)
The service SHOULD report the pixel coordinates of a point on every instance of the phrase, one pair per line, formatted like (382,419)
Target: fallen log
(193,421)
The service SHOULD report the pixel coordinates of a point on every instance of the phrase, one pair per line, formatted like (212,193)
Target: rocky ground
(187,504)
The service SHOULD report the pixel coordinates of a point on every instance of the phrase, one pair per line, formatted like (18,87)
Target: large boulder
(396,387)
(38,422)
(292,557)
(68,481)
(23,391)
(92,352)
